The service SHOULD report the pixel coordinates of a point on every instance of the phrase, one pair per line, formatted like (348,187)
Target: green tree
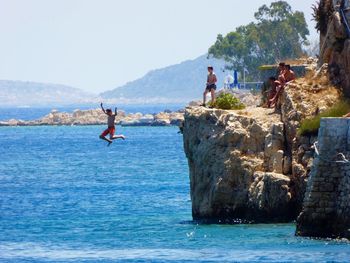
(278,34)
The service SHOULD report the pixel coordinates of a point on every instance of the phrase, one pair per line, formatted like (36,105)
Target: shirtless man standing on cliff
(210,86)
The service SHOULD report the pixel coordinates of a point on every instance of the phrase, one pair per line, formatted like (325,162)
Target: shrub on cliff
(310,126)
(227,101)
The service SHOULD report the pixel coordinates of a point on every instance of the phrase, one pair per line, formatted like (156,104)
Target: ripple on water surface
(65,197)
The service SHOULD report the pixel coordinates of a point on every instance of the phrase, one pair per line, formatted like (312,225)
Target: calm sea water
(67,197)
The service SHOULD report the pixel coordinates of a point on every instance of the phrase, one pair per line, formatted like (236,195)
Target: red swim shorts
(111,132)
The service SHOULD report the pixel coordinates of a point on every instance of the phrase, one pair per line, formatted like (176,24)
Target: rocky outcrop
(251,164)
(236,165)
(326,208)
(303,98)
(97,117)
(335,40)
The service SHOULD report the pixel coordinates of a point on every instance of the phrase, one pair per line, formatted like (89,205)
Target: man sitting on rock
(289,74)
(286,75)
(210,86)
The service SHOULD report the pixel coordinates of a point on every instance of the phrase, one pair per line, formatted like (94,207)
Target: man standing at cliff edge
(210,86)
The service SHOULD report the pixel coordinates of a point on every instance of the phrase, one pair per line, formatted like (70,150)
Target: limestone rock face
(302,99)
(236,165)
(251,164)
(335,43)
(269,194)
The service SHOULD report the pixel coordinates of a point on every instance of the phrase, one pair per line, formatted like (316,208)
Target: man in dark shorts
(111,126)
(210,86)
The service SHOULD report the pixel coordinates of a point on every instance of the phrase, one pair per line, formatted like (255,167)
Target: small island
(97,117)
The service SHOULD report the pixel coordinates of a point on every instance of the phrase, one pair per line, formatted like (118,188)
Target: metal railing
(245,86)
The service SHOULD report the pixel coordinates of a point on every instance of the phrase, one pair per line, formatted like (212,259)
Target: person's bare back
(289,74)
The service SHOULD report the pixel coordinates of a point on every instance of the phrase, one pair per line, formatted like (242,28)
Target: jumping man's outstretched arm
(102,107)
(116,111)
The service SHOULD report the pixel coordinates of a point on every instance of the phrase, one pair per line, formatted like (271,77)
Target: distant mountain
(21,93)
(177,83)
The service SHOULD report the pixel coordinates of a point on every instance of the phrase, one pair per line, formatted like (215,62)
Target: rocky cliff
(250,165)
(236,164)
(326,209)
(333,19)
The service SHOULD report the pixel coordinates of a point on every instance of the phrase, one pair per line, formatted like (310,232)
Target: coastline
(97,117)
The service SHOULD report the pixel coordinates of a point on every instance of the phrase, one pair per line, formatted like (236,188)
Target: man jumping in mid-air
(111,126)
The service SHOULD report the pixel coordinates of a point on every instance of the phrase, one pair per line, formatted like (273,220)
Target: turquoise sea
(67,197)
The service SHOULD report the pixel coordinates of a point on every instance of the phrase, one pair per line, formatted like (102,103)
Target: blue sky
(97,45)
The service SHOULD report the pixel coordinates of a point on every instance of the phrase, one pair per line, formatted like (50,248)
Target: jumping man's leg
(114,137)
(103,136)
(106,139)
(119,136)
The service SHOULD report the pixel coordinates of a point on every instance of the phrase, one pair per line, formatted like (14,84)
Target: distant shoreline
(34,113)
(97,117)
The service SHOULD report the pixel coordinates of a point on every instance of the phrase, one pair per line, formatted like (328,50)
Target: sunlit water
(67,197)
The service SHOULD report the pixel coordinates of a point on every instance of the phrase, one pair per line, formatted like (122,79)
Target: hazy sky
(97,45)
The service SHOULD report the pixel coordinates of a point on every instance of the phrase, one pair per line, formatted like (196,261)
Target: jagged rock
(233,154)
(137,120)
(269,194)
(162,119)
(287,165)
(176,118)
(335,45)
(4,123)
(338,27)
(13,122)
(194,103)
(226,150)
(161,122)
(274,143)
